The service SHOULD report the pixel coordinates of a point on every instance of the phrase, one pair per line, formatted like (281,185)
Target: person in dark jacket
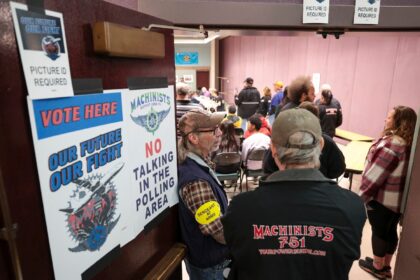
(265,102)
(202,200)
(332,159)
(247,101)
(298,224)
(330,113)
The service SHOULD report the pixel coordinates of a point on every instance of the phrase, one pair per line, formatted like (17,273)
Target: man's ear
(321,142)
(276,158)
(193,138)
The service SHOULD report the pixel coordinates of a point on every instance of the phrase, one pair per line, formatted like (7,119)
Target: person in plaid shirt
(382,186)
(202,200)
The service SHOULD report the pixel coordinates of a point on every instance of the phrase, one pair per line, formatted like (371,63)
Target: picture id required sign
(43,51)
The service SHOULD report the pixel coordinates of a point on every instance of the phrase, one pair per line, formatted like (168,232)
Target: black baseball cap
(249,80)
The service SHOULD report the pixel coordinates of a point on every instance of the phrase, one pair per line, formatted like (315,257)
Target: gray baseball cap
(295,120)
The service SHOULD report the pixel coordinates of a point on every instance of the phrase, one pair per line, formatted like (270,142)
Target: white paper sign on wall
(43,51)
(367,11)
(316,11)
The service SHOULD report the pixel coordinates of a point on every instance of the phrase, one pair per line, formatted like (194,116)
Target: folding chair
(228,166)
(255,155)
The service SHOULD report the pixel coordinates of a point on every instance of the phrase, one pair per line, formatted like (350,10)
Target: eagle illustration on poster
(91,210)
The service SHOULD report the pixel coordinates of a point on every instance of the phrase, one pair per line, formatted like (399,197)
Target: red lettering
(57,116)
(105,109)
(46,117)
(67,113)
(274,231)
(158,145)
(329,236)
(113,108)
(258,232)
(149,149)
(98,108)
(89,111)
(76,114)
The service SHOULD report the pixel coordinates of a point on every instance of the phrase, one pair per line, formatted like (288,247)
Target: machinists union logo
(150,109)
(91,210)
(51,47)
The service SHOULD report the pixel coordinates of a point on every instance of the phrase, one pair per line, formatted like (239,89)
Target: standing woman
(265,102)
(330,114)
(382,187)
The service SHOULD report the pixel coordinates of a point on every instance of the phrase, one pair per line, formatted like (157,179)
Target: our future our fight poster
(82,166)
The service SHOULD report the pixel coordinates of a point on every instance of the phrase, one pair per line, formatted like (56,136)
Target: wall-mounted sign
(188,78)
(316,11)
(367,11)
(149,117)
(43,51)
(107,167)
(186,58)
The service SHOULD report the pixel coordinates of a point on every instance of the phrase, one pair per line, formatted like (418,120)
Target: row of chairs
(229,166)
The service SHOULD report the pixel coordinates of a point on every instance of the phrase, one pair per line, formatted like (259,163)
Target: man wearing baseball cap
(297,224)
(202,200)
(248,101)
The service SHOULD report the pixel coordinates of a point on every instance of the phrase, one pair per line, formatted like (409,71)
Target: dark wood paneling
(17,160)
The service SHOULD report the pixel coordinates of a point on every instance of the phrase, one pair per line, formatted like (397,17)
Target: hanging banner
(316,11)
(186,58)
(43,50)
(151,141)
(82,167)
(367,11)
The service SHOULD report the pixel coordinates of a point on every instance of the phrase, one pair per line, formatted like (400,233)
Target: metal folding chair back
(256,170)
(228,166)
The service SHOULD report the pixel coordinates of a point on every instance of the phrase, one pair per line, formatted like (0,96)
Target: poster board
(107,168)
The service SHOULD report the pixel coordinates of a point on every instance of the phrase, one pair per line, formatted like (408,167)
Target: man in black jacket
(248,101)
(298,224)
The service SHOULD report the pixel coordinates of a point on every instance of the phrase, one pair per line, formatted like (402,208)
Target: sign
(186,58)
(150,124)
(316,11)
(367,11)
(43,50)
(107,167)
(82,166)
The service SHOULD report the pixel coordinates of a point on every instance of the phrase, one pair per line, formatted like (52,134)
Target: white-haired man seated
(298,224)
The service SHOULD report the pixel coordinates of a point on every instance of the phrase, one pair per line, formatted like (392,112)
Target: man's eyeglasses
(208,130)
(214,130)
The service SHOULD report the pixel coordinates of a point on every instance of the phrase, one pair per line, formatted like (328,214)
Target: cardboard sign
(43,50)
(316,11)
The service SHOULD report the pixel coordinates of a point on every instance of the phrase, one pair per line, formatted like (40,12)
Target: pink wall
(369,72)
